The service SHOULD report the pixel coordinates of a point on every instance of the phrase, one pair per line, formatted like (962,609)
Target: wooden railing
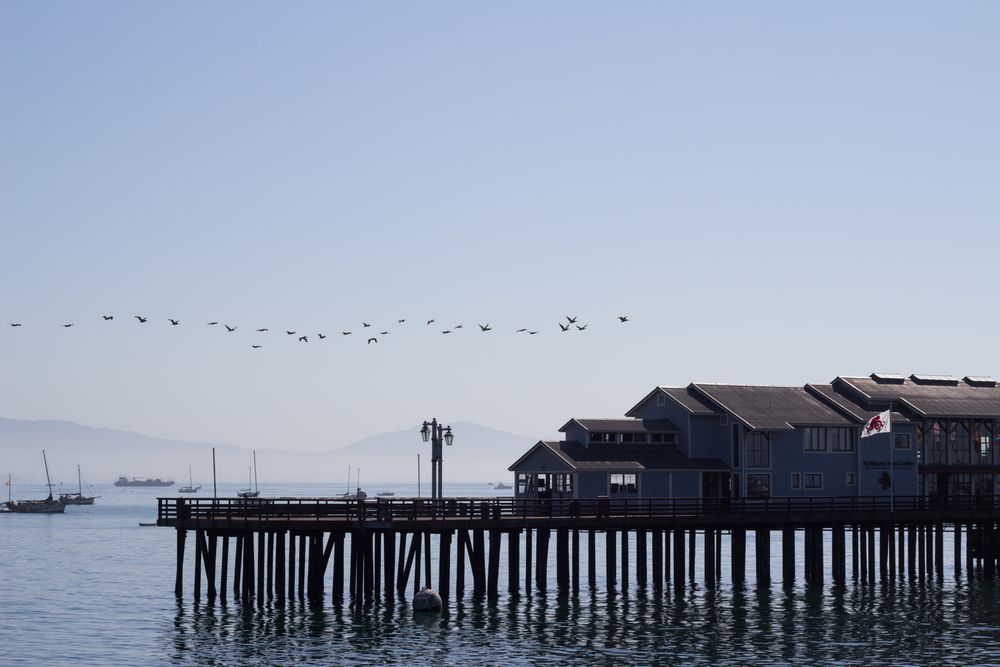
(171,510)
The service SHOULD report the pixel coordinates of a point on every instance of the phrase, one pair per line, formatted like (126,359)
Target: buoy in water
(427,600)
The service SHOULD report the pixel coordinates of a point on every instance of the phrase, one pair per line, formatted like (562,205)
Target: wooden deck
(284,545)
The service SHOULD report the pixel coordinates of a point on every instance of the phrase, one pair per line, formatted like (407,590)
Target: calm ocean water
(93,588)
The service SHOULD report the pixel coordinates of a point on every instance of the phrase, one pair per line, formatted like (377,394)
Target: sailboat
(190,488)
(77,498)
(47,506)
(251,491)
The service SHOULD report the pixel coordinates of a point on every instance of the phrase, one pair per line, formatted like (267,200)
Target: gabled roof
(768,408)
(682,396)
(827,394)
(925,395)
(623,425)
(613,457)
(541,444)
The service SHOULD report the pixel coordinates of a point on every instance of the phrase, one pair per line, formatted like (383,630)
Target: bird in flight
(321,336)
(581,327)
(520,330)
(365,324)
(303,339)
(572,320)
(400,321)
(230,329)
(485,327)
(211,324)
(67,326)
(564,328)
(290,333)
(446,331)
(15,324)
(430,321)
(383,333)
(532,333)
(108,317)
(345,333)
(372,340)
(261,330)
(623,318)
(174,322)
(458,326)
(256,347)
(142,320)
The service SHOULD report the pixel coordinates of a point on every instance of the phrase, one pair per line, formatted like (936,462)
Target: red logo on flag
(874,424)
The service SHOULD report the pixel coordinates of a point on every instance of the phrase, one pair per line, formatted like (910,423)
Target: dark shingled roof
(827,394)
(934,400)
(693,404)
(625,425)
(765,408)
(614,457)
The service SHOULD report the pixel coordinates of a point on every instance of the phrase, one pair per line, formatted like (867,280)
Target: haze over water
(92,587)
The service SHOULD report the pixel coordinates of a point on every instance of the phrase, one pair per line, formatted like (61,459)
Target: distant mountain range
(479,454)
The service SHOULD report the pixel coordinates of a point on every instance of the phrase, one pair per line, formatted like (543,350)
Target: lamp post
(436,433)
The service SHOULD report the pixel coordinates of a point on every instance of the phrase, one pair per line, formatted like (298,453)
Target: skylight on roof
(935,379)
(980,381)
(888,378)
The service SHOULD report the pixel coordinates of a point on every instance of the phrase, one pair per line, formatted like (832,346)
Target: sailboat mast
(47,478)
(348,480)
(255,487)
(79,479)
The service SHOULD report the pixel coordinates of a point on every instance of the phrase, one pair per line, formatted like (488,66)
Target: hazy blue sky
(775,192)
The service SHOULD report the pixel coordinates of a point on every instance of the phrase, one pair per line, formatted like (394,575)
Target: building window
(813,480)
(796,481)
(984,448)
(814,439)
(934,448)
(851,479)
(623,483)
(525,482)
(633,438)
(661,400)
(759,485)
(843,439)
(563,483)
(901,440)
(663,438)
(758,446)
(600,436)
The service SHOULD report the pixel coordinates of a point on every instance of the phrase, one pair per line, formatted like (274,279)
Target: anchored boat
(47,506)
(77,498)
(251,491)
(190,488)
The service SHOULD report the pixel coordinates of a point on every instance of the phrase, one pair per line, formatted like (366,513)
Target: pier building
(755,442)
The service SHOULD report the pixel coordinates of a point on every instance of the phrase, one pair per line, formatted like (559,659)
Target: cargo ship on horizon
(143,481)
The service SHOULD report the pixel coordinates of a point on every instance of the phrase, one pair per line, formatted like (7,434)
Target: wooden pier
(361,552)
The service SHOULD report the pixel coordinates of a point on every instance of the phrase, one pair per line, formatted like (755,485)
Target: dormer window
(602,436)
(633,438)
(663,438)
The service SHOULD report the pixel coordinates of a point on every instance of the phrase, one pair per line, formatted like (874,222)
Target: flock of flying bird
(483,328)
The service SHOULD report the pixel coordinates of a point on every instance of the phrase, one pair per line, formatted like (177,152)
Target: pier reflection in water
(954,622)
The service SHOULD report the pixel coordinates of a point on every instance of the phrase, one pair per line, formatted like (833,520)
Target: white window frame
(805,477)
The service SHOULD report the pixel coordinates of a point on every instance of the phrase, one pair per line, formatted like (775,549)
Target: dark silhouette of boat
(143,481)
(77,498)
(47,506)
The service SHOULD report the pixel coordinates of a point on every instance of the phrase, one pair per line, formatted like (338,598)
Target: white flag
(877,424)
